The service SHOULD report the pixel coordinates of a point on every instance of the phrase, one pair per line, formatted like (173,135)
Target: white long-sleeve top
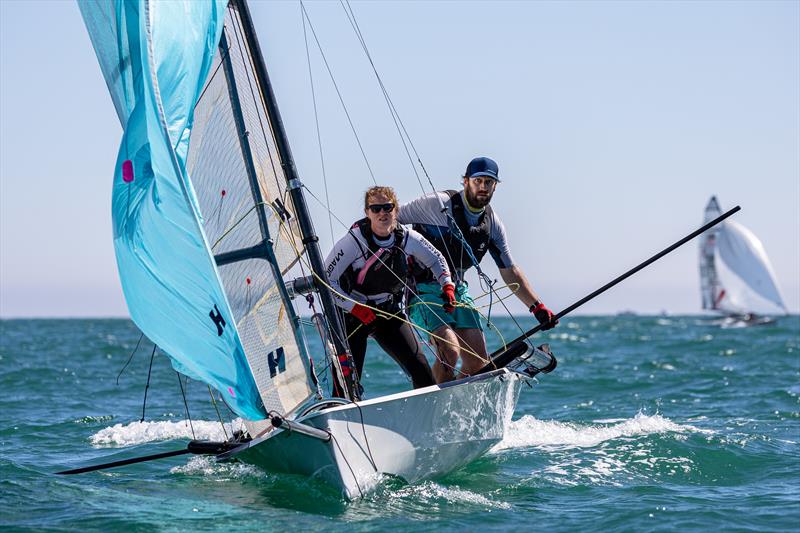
(353,249)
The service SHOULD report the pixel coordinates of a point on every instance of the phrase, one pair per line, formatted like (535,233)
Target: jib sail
(202,225)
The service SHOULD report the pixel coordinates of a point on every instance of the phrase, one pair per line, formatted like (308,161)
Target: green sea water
(647,424)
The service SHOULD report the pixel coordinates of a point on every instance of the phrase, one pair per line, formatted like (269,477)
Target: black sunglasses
(377,208)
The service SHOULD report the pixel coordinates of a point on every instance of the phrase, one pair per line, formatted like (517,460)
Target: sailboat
(209,221)
(736,277)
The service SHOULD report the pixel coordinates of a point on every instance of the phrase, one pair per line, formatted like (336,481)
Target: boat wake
(142,432)
(433,494)
(204,465)
(550,434)
(645,448)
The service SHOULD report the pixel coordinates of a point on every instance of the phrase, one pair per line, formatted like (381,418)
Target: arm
(343,254)
(511,273)
(428,256)
(424,210)
(525,293)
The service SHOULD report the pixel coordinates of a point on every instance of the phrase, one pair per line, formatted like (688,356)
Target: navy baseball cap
(482,166)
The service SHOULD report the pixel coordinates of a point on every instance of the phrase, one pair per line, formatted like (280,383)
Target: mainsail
(203,223)
(742,253)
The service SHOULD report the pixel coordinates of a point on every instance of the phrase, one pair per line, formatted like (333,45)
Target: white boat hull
(413,435)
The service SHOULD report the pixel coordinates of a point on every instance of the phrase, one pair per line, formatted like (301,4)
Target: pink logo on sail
(127,171)
(230,389)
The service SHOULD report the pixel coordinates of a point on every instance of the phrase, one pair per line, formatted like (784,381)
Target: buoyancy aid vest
(386,269)
(451,247)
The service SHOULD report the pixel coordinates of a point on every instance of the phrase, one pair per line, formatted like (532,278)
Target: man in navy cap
(463,226)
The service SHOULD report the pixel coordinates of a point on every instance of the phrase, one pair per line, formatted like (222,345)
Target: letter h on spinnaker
(276,361)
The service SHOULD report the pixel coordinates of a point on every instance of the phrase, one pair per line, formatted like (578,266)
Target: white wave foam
(142,432)
(204,465)
(431,491)
(531,432)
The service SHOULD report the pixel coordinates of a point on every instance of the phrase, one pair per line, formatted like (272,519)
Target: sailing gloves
(543,315)
(363,313)
(449,298)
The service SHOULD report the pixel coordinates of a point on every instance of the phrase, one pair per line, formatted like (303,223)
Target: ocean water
(648,423)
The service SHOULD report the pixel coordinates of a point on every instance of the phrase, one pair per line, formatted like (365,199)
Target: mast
(295,187)
(264,249)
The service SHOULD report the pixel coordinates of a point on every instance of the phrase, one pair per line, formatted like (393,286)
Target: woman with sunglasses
(370,266)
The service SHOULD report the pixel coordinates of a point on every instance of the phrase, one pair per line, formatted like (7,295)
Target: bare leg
(447,351)
(472,340)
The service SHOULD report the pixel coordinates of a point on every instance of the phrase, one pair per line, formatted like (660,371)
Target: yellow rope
(225,234)
(509,286)
(466,306)
(379,312)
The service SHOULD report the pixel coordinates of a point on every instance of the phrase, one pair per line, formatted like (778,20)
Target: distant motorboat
(736,278)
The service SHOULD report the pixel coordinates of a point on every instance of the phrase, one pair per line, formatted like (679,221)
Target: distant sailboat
(736,277)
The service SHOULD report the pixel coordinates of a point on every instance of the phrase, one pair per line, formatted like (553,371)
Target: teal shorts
(432,317)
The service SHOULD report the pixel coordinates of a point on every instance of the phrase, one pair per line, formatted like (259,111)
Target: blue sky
(612,123)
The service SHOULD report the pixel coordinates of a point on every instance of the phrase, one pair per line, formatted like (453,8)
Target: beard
(478,201)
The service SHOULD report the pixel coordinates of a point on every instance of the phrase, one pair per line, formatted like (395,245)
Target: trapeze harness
(478,237)
(385,271)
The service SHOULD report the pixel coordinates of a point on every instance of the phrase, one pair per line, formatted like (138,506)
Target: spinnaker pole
(344,364)
(515,348)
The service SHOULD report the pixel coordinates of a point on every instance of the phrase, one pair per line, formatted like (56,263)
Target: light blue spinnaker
(156,56)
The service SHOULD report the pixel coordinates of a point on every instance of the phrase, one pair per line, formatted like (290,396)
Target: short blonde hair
(382,190)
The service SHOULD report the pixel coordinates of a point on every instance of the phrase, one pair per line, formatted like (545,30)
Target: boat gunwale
(410,393)
(499,373)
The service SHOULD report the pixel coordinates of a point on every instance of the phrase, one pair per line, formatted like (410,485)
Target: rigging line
(435,353)
(513,287)
(331,332)
(366,440)
(460,346)
(219,416)
(213,75)
(389,101)
(338,92)
(472,307)
(312,368)
(131,357)
(345,297)
(383,313)
(351,17)
(375,309)
(147,386)
(241,219)
(324,330)
(316,122)
(237,30)
(397,120)
(392,111)
(456,231)
(349,229)
(347,463)
(508,311)
(185,404)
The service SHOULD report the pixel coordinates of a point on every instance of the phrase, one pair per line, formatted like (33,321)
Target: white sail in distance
(740,252)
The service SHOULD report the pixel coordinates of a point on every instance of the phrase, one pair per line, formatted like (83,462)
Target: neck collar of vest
(366,231)
(473,210)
